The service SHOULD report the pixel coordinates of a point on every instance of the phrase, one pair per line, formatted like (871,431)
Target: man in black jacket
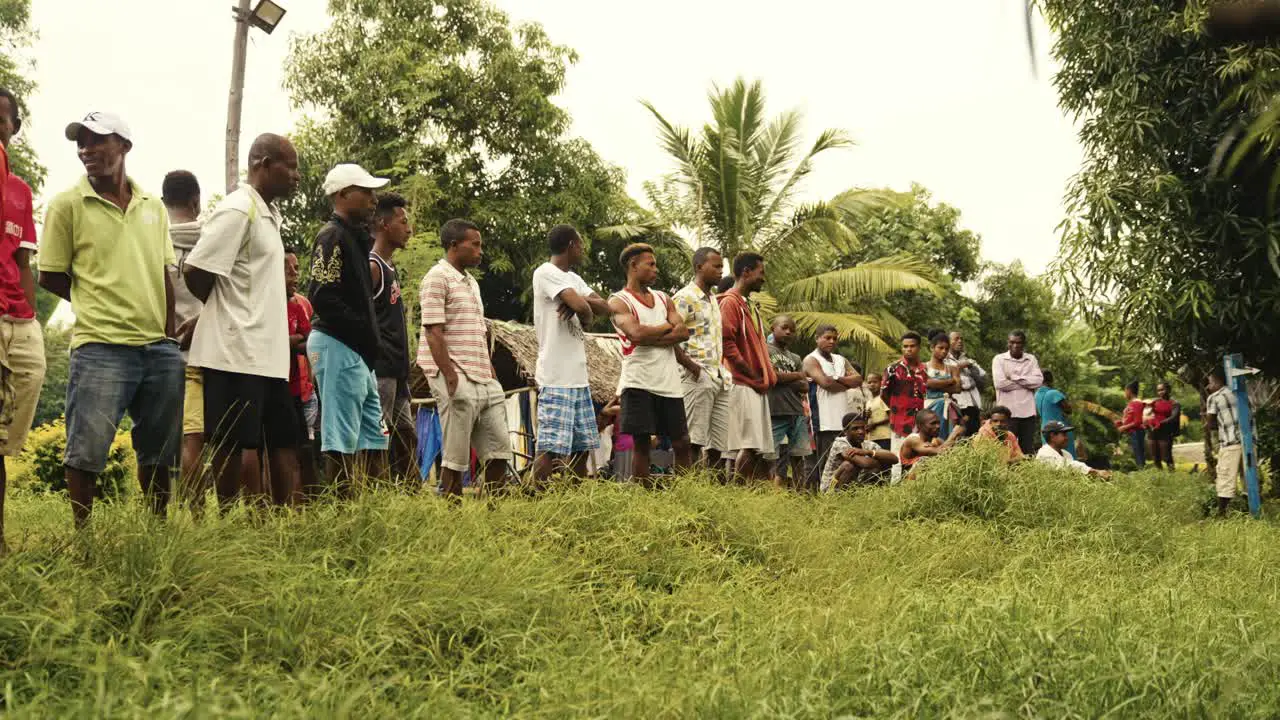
(344,342)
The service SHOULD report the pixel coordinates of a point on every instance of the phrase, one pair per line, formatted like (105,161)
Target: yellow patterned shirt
(701,313)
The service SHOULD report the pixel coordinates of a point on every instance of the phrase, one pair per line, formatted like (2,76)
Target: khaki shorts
(750,427)
(474,417)
(21,376)
(1229,459)
(706,408)
(193,402)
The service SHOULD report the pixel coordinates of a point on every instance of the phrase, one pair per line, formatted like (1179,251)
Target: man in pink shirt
(1017,376)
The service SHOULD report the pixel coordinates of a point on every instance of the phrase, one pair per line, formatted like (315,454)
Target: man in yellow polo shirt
(105,248)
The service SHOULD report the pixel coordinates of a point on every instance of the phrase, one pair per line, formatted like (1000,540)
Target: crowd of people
(197,329)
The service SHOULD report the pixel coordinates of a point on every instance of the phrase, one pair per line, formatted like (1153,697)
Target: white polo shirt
(244,327)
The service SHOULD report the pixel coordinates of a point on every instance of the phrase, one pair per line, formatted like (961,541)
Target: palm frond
(830,139)
(871,279)
(862,330)
(678,143)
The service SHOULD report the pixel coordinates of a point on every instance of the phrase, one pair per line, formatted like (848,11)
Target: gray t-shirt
(784,400)
(835,457)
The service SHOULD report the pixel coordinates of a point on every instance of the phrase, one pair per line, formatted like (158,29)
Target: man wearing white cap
(105,249)
(344,344)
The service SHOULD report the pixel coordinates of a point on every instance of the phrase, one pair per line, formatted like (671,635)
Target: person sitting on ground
(924,442)
(997,430)
(854,458)
(1057,435)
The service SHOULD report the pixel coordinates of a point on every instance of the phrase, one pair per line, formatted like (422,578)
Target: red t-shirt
(19,233)
(1161,410)
(300,324)
(1133,415)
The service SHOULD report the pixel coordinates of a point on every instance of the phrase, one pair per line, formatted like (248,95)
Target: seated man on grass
(853,458)
(924,442)
(996,430)
(1057,435)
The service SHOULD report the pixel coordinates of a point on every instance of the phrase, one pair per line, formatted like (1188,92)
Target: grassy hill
(973,591)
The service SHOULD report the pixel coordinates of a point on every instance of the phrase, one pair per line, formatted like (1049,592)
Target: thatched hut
(515,358)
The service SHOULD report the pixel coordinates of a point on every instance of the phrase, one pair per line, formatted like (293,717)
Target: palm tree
(734,187)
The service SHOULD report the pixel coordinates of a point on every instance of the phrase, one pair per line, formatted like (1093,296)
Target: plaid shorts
(566,421)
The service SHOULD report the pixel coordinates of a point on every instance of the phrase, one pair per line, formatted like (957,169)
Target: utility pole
(235,100)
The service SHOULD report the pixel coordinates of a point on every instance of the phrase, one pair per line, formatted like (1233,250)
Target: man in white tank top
(834,377)
(651,394)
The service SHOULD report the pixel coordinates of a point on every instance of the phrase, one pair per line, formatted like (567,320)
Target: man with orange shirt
(747,356)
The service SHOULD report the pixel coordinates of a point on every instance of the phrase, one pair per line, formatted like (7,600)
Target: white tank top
(649,367)
(832,406)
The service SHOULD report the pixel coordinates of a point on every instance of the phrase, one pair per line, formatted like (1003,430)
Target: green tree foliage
(737,179)
(57,356)
(16,71)
(455,105)
(1157,249)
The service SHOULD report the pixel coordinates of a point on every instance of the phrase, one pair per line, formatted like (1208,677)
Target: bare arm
(1002,381)
(375,272)
(439,348)
(852,379)
(58,283)
(199,282)
(632,328)
(814,372)
(26,277)
(170,324)
(577,304)
(688,363)
(599,306)
(679,332)
(885,457)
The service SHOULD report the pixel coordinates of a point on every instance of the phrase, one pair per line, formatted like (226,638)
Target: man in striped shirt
(454,355)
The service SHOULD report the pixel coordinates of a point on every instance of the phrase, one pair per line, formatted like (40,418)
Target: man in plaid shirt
(1220,415)
(905,385)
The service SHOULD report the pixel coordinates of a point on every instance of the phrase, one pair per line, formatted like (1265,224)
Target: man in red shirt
(21,342)
(905,384)
(747,357)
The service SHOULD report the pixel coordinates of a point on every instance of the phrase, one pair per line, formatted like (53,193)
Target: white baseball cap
(100,123)
(348,175)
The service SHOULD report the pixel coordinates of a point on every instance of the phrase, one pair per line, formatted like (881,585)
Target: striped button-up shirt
(452,299)
(705,346)
(1222,406)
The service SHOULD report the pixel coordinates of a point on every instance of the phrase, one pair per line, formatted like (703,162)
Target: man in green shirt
(106,249)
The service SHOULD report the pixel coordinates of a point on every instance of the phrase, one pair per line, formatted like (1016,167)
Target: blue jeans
(106,380)
(1138,441)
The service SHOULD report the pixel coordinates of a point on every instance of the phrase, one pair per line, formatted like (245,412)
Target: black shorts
(248,411)
(644,413)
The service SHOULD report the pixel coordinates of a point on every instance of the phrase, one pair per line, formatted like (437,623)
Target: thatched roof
(515,358)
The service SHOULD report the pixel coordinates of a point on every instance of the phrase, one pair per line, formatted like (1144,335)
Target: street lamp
(266,15)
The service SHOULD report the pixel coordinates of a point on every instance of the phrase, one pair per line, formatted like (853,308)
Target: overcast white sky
(934,91)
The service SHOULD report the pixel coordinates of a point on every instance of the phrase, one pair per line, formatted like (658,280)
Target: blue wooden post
(1236,373)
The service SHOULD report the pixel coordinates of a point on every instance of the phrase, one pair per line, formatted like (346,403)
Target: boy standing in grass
(454,355)
(106,249)
(705,380)
(652,400)
(563,308)
(905,385)
(241,343)
(1220,415)
(786,406)
(833,378)
(21,340)
(746,355)
(878,430)
(391,233)
(854,458)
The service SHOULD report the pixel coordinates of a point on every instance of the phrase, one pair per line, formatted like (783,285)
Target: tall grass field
(974,591)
